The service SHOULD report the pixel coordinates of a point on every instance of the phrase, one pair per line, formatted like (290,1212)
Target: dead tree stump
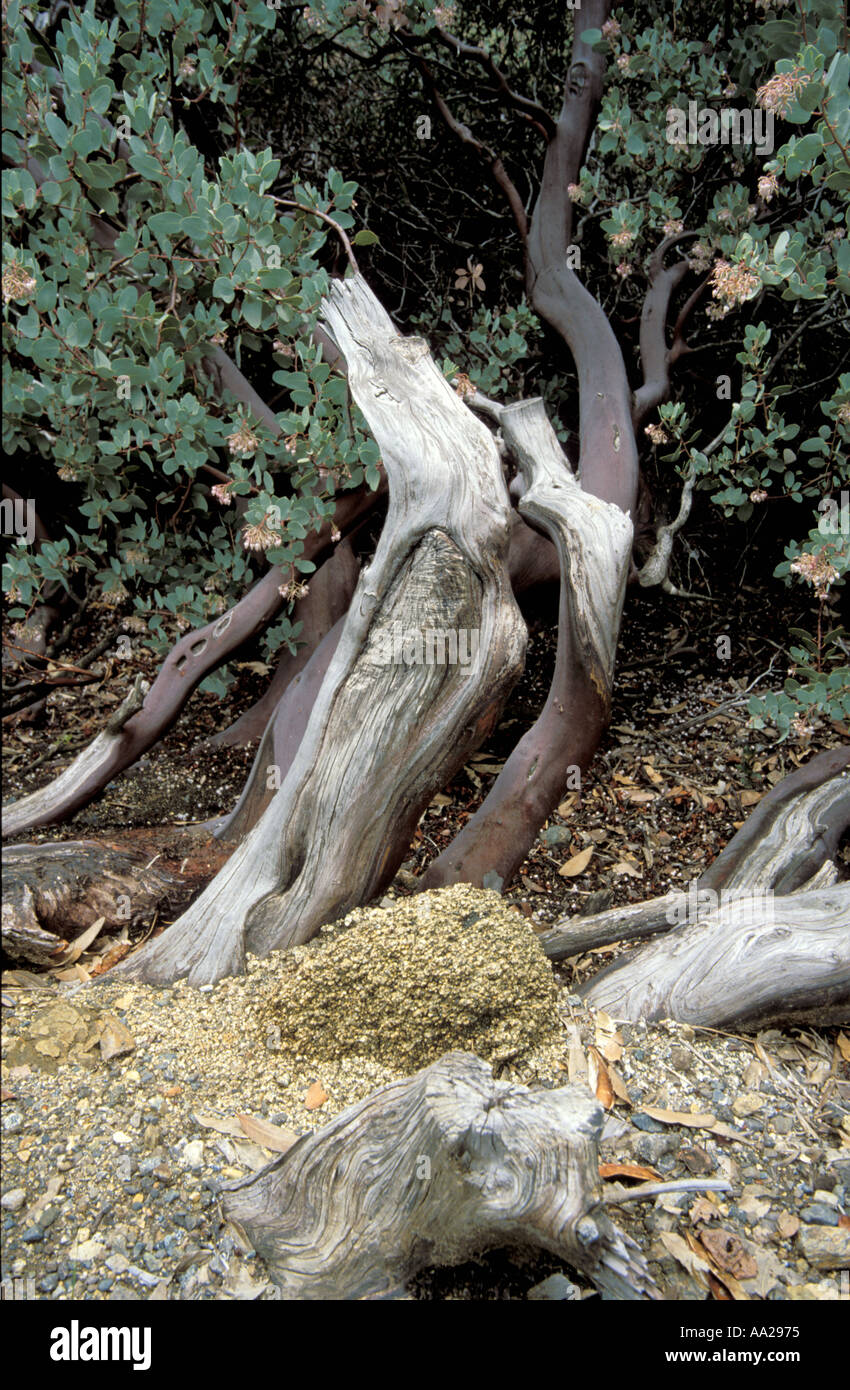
(430,1171)
(388,728)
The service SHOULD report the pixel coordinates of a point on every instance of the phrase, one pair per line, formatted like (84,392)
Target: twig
(40,656)
(657,1189)
(324,217)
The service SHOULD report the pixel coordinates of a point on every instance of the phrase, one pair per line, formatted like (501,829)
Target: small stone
(114,1037)
(14,1199)
(783,1124)
(825,1247)
(193,1155)
(747,1104)
(647,1123)
(84,1250)
(649,1148)
(13,1121)
(681,1059)
(823,1194)
(819,1214)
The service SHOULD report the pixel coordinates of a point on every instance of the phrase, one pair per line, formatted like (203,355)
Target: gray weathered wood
(382,735)
(745,963)
(593,541)
(431,1171)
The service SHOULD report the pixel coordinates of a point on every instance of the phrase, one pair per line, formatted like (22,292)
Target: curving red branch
(330,592)
(656,357)
(500,834)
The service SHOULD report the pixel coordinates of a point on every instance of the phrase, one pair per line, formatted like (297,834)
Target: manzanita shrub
(104,389)
(104,384)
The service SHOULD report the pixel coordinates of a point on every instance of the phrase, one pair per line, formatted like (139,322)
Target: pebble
(825,1247)
(647,1123)
(819,1214)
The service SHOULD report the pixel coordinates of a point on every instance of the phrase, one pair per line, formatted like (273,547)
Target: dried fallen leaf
(628,1170)
(76,948)
(722,1284)
(608,1040)
(696,1265)
(227,1125)
(680,1117)
(703,1209)
(729,1254)
(76,974)
(601,1083)
(750,798)
(624,867)
(577,864)
(111,958)
(697,1160)
(842,1042)
(316,1096)
(259,668)
(530,883)
(787,1224)
(271,1136)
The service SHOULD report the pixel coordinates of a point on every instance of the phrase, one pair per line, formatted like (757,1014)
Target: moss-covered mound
(453,968)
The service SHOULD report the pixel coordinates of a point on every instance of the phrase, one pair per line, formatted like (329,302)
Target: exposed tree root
(431,1171)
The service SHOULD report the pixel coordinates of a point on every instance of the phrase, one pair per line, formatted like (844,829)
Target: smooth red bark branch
(655,356)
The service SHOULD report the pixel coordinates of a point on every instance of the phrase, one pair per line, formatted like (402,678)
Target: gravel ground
(125,1108)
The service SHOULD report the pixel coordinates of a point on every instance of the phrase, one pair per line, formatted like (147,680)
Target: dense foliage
(103,377)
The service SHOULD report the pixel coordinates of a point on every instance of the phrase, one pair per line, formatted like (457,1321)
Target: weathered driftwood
(281,740)
(532,561)
(593,540)
(745,963)
(53,892)
(383,735)
(792,832)
(633,922)
(431,1171)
